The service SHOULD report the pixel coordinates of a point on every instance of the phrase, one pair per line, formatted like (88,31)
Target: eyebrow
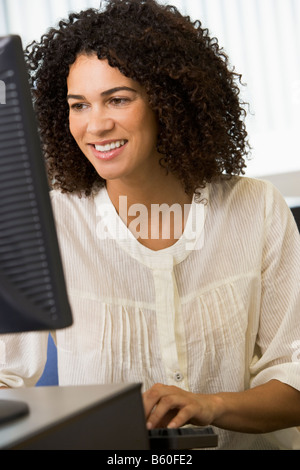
(104,93)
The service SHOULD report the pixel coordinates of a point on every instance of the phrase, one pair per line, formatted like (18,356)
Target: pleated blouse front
(217,311)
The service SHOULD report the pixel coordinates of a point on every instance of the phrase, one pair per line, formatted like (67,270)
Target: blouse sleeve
(22,358)
(278,341)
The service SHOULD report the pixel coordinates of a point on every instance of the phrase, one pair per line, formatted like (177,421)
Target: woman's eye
(119,101)
(78,106)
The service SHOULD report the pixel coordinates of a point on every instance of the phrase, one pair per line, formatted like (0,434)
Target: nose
(99,122)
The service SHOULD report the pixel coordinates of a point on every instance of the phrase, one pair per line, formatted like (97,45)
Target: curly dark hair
(185,73)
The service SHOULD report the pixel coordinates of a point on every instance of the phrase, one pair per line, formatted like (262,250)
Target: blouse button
(178,376)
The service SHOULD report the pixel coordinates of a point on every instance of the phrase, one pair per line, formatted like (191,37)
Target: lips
(110,146)
(109,149)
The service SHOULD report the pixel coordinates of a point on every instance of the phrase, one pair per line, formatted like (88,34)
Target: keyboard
(182,438)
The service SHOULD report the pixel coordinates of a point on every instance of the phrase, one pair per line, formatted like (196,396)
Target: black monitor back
(32,286)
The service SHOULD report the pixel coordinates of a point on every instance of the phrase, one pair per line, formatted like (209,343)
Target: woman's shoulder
(254,197)
(67,204)
(61,198)
(243,188)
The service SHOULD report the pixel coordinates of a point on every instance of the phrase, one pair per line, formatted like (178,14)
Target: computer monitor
(33,293)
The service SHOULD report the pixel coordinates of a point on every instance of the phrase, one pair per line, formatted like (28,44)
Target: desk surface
(84,417)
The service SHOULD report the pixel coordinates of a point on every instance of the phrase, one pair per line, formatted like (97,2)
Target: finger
(161,420)
(193,413)
(152,396)
(182,417)
(165,410)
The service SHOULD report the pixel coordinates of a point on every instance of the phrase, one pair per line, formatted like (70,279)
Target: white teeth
(111,146)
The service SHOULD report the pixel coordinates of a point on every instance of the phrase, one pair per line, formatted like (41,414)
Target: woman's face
(111,121)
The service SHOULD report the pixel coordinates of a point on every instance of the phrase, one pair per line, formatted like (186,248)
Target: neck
(137,205)
(165,190)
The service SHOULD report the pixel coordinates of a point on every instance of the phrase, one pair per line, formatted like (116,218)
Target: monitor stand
(10,410)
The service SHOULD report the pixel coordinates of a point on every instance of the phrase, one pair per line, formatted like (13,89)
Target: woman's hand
(169,406)
(265,408)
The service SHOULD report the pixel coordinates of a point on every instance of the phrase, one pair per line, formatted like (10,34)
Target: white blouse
(217,311)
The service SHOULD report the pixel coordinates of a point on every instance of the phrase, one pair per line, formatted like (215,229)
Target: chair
(296,214)
(50,374)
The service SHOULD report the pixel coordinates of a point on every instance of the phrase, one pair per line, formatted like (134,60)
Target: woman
(182,274)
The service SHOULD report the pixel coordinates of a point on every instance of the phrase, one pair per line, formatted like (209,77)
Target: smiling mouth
(108,150)
(110,146)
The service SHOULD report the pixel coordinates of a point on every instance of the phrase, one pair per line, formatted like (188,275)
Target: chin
(109,176)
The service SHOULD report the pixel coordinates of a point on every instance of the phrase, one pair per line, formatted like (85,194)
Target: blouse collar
(111,226)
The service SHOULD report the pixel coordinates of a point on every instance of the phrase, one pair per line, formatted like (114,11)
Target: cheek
(148,124)
(151,128)
(75,128)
